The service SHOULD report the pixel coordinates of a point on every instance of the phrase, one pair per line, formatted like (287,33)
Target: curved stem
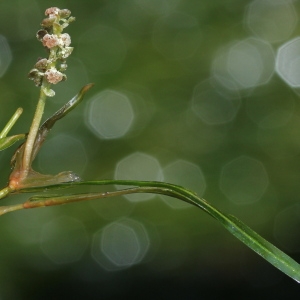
(241,231)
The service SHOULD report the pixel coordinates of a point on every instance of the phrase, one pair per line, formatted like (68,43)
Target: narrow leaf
(10,140)
(11,122)
(241,231)
(35,179)
(49,123)
(63,111)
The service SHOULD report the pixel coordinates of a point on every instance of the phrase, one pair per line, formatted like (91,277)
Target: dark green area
(190,255)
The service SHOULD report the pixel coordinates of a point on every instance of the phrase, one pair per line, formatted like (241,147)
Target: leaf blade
(6,142)
(63,111)
(237,228)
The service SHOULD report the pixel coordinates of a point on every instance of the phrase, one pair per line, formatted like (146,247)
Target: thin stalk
(11,122)
(241,231)
(4,192)
(34,129)
(29,144)
(10,208)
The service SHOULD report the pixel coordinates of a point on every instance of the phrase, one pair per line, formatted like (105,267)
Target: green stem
(241,231)
(11,122)
(34,129)
(29,144)
(10,208)
(4,192)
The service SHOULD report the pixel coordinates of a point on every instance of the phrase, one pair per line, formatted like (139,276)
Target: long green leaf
(63,111)
(241,231)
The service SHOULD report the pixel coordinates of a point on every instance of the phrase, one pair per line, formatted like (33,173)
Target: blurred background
(204,94)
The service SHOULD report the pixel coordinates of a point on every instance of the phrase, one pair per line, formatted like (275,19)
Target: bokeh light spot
(288,62)
(23,226)
(245,64)
(112,209)
(244,180)
(271,20)
(138,166)
(286,228)
(120,244)
(64,240)
(186,174)
(212,107)
(5,55)
(240,59)
(110,114)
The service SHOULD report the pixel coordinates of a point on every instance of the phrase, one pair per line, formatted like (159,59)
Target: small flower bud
(54,76)
(64,13)
(65,52)
(52,12)
(71,19)
(63,67)
(50,40)
(33,73)
(41,64)
(48,92)
(41,33)
(66,39)
(48,22)
(36,76)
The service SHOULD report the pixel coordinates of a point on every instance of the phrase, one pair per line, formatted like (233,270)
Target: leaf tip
(19,111)
(87,87)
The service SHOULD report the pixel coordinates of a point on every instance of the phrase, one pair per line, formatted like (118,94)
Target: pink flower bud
(41,64)
(50,40)
(52,12)
(53,76)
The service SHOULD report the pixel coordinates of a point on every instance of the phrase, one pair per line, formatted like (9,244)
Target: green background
(157,59)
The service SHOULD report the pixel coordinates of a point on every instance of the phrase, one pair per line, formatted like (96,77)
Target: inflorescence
(51,70)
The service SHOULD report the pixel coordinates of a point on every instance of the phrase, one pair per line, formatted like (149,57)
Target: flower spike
(51,70)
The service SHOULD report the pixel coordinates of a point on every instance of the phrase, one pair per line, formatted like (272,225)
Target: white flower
(65,39)
(53,76)
(66,52)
